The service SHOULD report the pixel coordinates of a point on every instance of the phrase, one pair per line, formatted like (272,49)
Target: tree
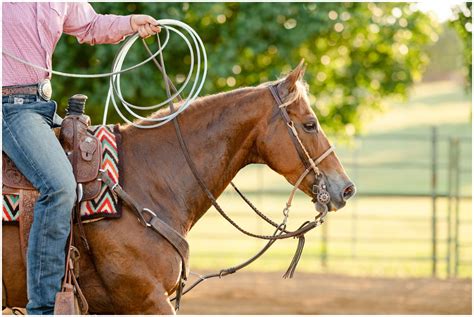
(356,53)
(462,23)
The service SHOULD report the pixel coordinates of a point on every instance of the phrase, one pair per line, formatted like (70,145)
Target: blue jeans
(31,144)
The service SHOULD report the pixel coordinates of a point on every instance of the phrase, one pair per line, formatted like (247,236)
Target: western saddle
(85,154)
(83,150)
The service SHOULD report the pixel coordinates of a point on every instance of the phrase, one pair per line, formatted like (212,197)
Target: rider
(31,31)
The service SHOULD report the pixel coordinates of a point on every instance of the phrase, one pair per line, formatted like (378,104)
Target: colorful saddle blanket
(106,204)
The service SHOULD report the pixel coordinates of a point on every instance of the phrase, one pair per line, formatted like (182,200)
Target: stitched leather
(27,205)
(83,150)
(12,177)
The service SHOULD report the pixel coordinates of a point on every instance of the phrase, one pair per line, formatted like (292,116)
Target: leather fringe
(296,258)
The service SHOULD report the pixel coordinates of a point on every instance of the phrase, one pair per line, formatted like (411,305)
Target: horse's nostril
(348,192)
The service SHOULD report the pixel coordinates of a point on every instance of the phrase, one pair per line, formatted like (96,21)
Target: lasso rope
(198,56)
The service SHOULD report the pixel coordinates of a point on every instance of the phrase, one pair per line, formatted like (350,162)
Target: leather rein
(150,219)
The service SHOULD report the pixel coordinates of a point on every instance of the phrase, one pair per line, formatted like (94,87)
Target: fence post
(434,165)
(355,171)
(260,186)
(449,200)
(456,205)
(324,244)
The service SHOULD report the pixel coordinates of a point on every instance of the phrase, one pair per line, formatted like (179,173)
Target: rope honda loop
(198,69)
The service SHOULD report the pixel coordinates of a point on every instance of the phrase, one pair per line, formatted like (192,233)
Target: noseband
(321,195)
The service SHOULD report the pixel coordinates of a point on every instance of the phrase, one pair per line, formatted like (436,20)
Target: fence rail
(445,179)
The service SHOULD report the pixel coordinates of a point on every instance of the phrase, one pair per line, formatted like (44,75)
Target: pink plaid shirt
(31,30)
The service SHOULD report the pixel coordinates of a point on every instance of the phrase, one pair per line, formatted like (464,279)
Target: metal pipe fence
(434,171)
(455,171)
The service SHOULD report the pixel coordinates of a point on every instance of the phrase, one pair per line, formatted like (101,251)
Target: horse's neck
(220,132)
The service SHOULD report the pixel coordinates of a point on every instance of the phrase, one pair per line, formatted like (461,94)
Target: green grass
(372,235)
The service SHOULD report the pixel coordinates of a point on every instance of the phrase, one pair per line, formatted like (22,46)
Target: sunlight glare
(442,9)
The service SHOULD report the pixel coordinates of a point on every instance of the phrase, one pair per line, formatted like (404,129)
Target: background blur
(391,84)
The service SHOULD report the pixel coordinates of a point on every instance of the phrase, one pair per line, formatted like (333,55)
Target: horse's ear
(288,85)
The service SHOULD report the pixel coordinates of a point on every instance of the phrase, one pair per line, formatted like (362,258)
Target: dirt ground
(268,293)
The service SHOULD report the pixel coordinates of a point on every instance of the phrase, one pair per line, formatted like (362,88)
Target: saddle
(83,151)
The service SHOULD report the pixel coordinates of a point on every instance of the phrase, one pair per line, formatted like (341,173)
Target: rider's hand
(144,24)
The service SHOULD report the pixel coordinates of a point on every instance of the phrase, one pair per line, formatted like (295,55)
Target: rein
(179,243)
(322,197)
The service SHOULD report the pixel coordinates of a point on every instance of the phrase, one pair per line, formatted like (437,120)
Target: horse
(133,270)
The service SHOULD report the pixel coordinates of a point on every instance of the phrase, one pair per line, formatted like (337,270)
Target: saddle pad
(107,203)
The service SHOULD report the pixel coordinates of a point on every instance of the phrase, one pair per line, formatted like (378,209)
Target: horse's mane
(300,92)
(198,103)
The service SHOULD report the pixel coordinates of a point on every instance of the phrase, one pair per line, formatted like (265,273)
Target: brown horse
(136,268)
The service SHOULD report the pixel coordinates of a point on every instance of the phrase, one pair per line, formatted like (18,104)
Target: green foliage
(462,23)
(356,53)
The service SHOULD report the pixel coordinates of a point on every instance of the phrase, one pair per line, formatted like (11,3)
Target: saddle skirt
(98,150)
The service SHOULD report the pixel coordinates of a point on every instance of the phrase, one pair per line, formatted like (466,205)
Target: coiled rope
(197,69)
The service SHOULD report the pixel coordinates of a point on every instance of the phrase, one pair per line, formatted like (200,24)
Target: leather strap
(155,223)
(67,275)
(42,89)
(173,237)
(80,227)
(20,90)
(288,123)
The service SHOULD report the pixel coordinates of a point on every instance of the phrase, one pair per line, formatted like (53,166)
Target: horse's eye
(310,126)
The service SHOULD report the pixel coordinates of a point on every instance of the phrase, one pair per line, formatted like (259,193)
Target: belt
(42,89)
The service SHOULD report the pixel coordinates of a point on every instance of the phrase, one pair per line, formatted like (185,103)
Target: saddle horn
(76,104)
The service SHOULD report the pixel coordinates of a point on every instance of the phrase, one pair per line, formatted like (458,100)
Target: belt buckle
(45,89)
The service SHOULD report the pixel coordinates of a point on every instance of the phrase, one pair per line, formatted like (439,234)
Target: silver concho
(45,89)
(323,197)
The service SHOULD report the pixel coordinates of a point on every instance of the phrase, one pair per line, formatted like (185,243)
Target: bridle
(321,195)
